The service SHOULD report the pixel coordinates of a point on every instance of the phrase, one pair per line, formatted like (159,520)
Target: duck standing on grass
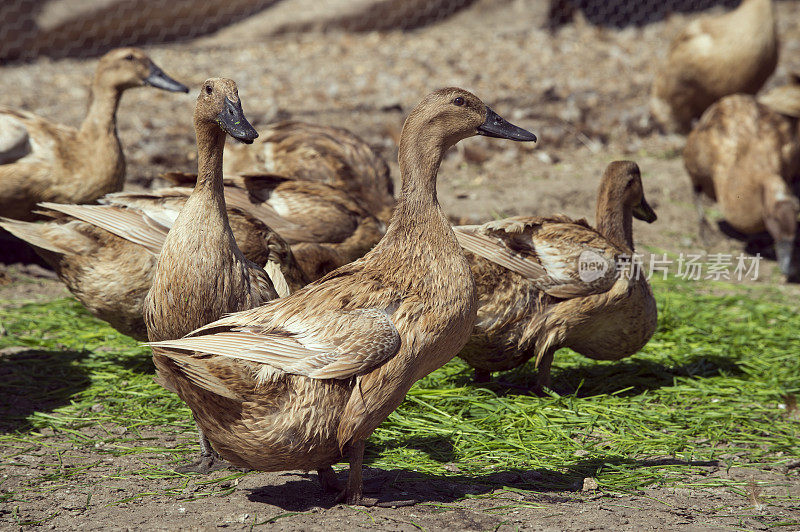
(303,381)
(550,282)
(43,161)
(201,274)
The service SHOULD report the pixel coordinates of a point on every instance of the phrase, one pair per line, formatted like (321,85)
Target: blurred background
(576,72)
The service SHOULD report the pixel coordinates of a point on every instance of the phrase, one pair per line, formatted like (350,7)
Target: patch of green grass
(713,385)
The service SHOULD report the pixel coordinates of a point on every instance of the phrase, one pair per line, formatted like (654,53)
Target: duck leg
(353,493)
(543,373)
(328,480)
(209,459)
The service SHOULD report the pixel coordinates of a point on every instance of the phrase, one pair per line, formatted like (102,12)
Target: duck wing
(320,344)
(564,258)
(131,224)
(249,193)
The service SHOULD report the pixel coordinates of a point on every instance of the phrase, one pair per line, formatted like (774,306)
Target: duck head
(218,103)
(453,114)
(622,185)
(126,68)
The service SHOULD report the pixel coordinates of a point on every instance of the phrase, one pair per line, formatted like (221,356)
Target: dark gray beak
(784,252)
(159,80)
(232,120)
(496,126)
(644,212)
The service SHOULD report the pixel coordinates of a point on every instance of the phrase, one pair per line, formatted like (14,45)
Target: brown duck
(714,57)
(106,254)
(201,273)
(329,155)
(43,161)
(545,283)
(743,155)
(303,381)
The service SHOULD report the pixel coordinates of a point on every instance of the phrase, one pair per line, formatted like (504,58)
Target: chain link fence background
(85,28)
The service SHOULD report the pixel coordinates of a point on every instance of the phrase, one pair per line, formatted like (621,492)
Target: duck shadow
(37,381)
(633,377)
(142,365)
(13,251)
(399,487)
(627,377)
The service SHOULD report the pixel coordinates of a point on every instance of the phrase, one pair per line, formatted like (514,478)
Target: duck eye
(129,57)
(209,89)
(459,101)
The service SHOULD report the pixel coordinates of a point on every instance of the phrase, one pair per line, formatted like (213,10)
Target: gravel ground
(583,90)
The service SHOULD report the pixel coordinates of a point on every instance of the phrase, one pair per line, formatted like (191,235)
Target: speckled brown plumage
(297,383)
(326,227)
(329,155)
(43,161)
(714,57)
(201,272)
(744,155)
(106,255)
(533,299)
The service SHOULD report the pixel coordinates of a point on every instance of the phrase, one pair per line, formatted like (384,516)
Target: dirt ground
(583,91)
(294,500)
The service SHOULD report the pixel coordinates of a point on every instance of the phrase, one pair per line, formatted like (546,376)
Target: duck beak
(233,122)
(644,212)
(158,79)
(496,126)
(784,252)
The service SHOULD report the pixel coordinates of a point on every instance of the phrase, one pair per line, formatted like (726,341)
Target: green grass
(712,385)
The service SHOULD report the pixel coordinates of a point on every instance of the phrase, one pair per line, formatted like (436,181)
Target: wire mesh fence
(61,28)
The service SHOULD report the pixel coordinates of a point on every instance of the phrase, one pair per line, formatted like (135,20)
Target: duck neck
(210,147)
(418,204)
(101,120)
(615,222)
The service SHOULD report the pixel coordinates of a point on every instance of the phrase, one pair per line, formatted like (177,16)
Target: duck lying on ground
(329,155)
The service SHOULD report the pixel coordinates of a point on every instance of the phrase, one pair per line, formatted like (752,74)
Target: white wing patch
(269,157)
(552,258)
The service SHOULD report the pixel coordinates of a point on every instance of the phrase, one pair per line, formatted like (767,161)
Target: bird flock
(292,297)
